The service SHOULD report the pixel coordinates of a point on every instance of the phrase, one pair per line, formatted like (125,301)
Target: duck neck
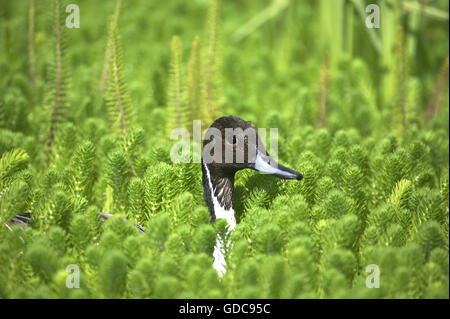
(218,188)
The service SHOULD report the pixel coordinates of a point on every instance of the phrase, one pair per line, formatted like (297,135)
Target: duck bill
(267,165)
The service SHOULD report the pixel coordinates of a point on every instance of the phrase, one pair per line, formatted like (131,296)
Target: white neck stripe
(220,213)
(219,210)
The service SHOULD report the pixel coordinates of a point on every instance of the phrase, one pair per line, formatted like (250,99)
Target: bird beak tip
(265,165)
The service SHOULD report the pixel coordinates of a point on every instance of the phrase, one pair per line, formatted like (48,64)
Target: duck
(231,144)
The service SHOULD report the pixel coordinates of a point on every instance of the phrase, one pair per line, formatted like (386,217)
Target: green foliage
(43,261)
(376,173)
(429,237)
(213,98)
(59,101)
(176,100)
(194,83)
(120,109)
(82,170)
(118,176)
(11,163)
(113,272)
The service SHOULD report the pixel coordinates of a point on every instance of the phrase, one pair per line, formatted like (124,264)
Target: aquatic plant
(366,127)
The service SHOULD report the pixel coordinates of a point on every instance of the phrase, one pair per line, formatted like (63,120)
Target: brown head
(229,145)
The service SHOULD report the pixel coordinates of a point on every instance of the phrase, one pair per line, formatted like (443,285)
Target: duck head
(229,145)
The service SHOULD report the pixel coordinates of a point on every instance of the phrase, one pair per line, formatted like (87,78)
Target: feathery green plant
(82,170)
(176,100)
(323,92)
(113,20)
(59,99)
(120,108)
(31,44)
(213,97)
(399,102)
(434,104)
(194,84)
(376,173)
